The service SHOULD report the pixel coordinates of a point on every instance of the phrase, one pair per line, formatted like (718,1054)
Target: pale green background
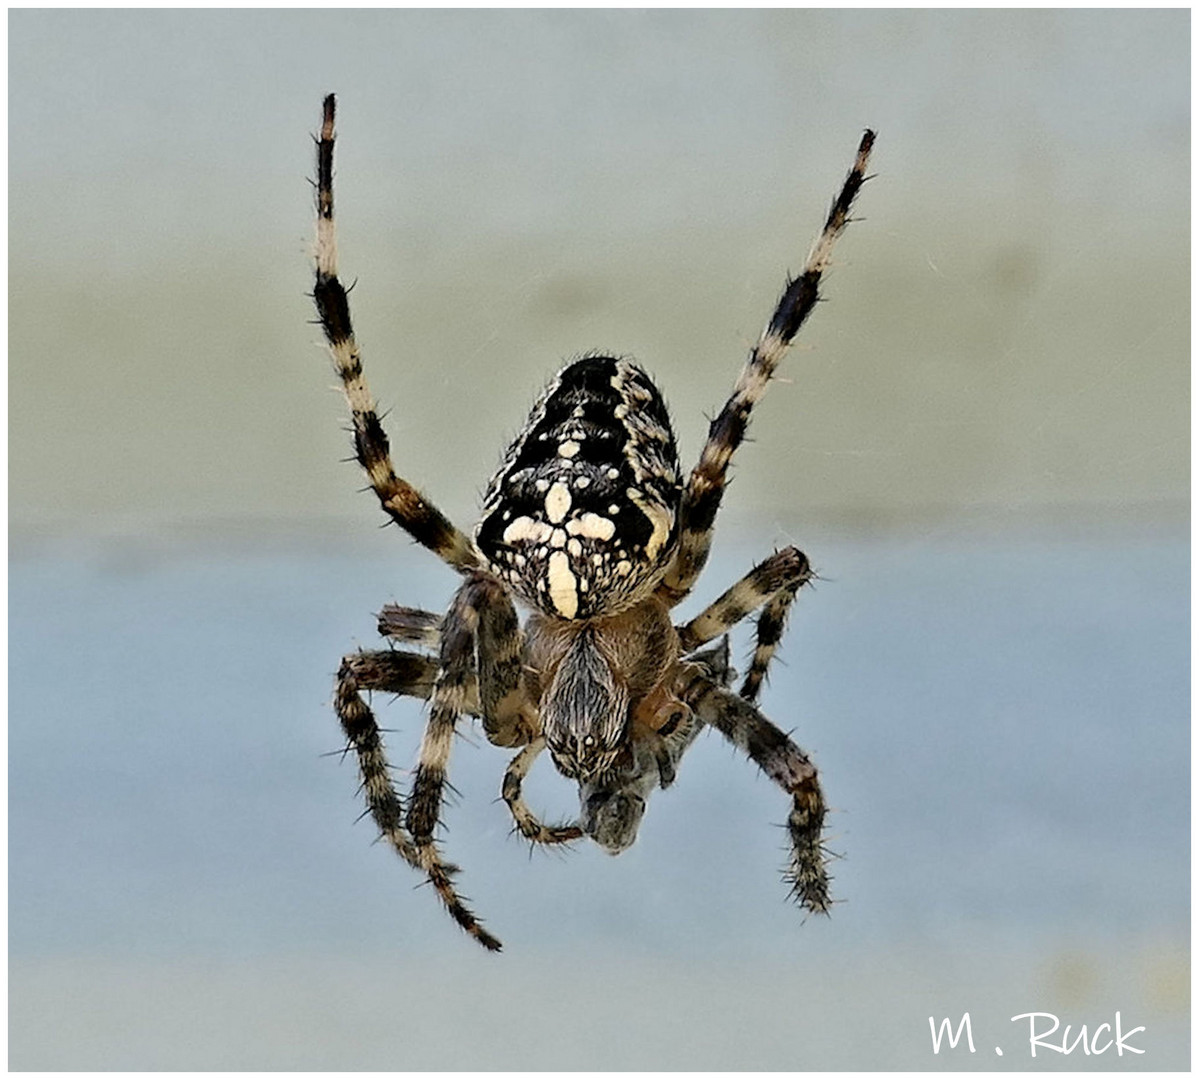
(981,442)
(1007,330)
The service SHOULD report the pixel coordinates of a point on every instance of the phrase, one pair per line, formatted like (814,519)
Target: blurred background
(981,441)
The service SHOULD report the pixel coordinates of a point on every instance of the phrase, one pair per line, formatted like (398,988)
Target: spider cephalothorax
(589,523)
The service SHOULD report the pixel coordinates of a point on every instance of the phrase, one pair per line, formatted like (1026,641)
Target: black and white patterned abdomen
(581,517)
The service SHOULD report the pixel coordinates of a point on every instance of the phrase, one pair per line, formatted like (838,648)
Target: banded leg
(771,586)
(412,625)
(526,822)
(500,642)
(413,675)
(396,671)
(407,507)
(788,766)
(367,671)
(477,614)
(510,717)
(705,487)
(772,622)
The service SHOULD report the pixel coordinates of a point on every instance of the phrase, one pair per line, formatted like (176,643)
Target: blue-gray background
(981,444)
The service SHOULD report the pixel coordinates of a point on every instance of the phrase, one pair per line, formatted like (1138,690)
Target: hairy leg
(423,627)
(705,486)
(407,507)
(411,625)
(510,717)
(358,672)
(393,671)
(788,766)
(504,703)
(481,649)
(771,586)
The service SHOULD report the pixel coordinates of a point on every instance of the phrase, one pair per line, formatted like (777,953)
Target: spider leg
(771,586)
(705,487)
(504,704)
(370,671)
(412,625)
(481,614)
(715,661)
(787,765)
(447,702)
(397,671)
(767,635)
(509,713)
(526,823)
(407,507)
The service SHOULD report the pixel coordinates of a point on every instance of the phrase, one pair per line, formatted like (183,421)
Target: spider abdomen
(581,516)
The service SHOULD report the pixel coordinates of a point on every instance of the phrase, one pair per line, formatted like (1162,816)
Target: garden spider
(589,522)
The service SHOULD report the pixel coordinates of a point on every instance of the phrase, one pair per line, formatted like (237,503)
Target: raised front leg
(407,507)
(705,487)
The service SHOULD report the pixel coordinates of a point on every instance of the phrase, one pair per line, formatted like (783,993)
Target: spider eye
(586,759)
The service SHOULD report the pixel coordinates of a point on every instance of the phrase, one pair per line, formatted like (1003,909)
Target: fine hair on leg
(788,766)
(407,507)
(771,586)
(358,672)
(410,625)
(706,485)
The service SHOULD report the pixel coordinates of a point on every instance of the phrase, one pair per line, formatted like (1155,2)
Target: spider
(590,524)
